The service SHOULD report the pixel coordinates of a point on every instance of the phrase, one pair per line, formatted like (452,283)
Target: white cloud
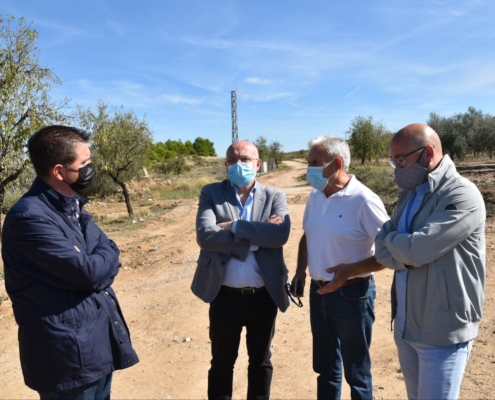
(125,92)
(448,13)
(320,109)
(117,27)
(258,81)
(174,99)
(354,91)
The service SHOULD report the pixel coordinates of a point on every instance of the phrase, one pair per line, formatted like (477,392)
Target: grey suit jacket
(218,203)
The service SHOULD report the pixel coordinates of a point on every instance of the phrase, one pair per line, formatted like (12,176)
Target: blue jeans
(99,390)
(341,324)
(432,372)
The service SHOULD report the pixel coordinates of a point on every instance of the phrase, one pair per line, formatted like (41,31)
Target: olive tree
(366,138)
(120,144)
(261,144)
(25,103)
(456,132)
(276,153)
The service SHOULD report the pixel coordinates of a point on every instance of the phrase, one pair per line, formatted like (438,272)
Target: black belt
(348,282)
(244,291)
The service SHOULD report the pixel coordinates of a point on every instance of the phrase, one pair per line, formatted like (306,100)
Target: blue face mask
(315,177)
(241,174)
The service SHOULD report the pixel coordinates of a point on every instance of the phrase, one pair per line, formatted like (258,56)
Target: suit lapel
(259,202)
(231,200)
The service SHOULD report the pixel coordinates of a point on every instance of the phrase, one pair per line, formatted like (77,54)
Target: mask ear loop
(287,289)
(68,169)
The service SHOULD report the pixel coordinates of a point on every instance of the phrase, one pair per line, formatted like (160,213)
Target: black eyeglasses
(401,161)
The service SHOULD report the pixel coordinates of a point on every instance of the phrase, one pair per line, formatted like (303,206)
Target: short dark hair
(54,145)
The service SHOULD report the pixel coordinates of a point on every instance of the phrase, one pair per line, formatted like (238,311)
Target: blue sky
(301,68)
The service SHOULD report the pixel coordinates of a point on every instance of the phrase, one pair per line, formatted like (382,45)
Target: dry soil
(169,325)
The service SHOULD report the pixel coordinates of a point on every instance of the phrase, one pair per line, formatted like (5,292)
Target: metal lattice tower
(233,100)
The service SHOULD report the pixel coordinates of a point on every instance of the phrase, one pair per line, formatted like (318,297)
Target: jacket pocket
(442,284)
(83,314)
(96,341)
(79,340)
(432,307)
(203,260)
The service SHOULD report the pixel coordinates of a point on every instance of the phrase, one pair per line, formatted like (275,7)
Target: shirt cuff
(234,226)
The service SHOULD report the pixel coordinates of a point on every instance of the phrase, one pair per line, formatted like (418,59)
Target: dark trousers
(99,390)
(229,312)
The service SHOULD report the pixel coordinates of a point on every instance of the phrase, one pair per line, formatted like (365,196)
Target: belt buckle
(248,290)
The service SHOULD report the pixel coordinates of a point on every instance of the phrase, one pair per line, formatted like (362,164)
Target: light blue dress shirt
(412,207)
(241,274)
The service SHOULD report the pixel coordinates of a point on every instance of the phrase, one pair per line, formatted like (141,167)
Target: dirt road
(169,325)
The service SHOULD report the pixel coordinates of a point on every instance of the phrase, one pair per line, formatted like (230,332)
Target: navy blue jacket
(58,276)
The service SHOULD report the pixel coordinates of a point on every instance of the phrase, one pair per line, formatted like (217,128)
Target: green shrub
(180,189)
(174,166)
(380,179)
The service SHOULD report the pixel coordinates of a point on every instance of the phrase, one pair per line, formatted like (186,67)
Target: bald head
(243,147)
(419,135)
(413,138)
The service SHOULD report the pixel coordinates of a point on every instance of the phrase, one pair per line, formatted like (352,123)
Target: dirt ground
(169,325)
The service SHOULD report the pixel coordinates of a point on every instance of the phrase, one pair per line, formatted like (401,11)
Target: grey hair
(336,147)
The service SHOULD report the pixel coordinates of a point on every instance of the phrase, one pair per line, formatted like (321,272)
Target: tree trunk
(2,197)
(362,160)
(126,195)
(127,199)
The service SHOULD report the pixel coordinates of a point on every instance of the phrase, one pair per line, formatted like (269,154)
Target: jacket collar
(56,199)
(444,170)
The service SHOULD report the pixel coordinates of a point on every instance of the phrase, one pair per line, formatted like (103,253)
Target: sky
(300,68)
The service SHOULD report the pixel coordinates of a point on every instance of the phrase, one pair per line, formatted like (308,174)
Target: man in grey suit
(241,227)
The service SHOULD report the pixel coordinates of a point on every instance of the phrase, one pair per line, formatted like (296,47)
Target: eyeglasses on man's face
(401,160)
(242,159)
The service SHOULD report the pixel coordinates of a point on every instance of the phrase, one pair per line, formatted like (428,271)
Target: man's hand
(302,282)
(227,225)
(274,219)
(341,272)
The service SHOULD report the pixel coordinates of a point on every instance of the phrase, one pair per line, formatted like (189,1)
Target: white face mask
(315,177)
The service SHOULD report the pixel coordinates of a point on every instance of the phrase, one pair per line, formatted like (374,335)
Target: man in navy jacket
(59,266)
